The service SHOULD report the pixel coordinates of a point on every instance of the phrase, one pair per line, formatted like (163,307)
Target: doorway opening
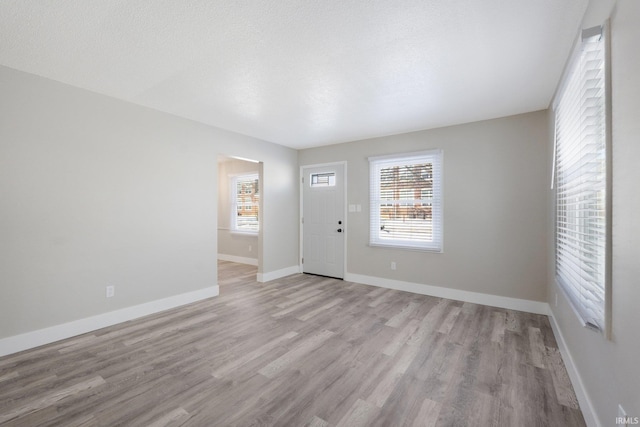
(240,201)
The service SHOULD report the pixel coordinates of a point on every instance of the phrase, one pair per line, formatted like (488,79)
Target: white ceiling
(302,73)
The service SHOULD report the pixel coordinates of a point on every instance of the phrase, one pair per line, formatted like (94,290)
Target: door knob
(339,230)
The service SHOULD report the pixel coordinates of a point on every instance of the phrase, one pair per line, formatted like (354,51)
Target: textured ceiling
(302,73)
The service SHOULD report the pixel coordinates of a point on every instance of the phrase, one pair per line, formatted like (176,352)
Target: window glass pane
(405,201)
(327,179)
(581,211)
(246,202)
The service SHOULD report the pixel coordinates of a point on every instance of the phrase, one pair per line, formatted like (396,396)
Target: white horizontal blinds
(581,182)
(406,208)
(246,203)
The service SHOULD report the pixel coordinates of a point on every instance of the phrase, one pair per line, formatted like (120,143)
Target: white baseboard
(238,259)
(40,337)
(273,275)
(588,411)
(537,307)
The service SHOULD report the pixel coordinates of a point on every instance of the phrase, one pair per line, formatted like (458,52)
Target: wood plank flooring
(299,351)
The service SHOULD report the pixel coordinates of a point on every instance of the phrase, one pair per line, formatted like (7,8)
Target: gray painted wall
(609,368)
(95,191)
(235,244)
(495,207)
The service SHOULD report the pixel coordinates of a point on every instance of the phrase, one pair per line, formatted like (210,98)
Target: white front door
(323,220)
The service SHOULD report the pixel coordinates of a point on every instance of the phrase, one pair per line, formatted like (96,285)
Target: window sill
(406,248)
(244,233)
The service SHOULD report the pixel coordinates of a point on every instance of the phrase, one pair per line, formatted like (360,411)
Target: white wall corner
(587,408)
(55,333)
(529,306)
(273,275)
(238,259)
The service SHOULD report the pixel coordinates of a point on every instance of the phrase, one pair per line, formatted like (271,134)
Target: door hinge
(302,261)
(302,179)
(302,220)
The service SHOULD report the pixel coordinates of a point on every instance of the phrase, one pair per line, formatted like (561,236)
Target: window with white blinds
(581,180)
(406,201)
(245,203)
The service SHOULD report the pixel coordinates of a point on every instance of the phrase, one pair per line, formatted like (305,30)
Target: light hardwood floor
(300,351)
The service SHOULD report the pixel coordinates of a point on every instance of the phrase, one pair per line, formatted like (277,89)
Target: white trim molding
(55,333)
(529,306)
(273,275)
(238,259)
(587,408)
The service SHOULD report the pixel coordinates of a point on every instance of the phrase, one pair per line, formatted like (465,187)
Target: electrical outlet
(111,291)
(393,265)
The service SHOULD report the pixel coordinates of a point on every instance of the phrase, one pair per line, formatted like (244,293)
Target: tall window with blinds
(406,201)
(582,211)
(245,204)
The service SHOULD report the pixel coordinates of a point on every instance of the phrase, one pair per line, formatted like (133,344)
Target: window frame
(317,183)
(376,201)
(239,204)
(577,293)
